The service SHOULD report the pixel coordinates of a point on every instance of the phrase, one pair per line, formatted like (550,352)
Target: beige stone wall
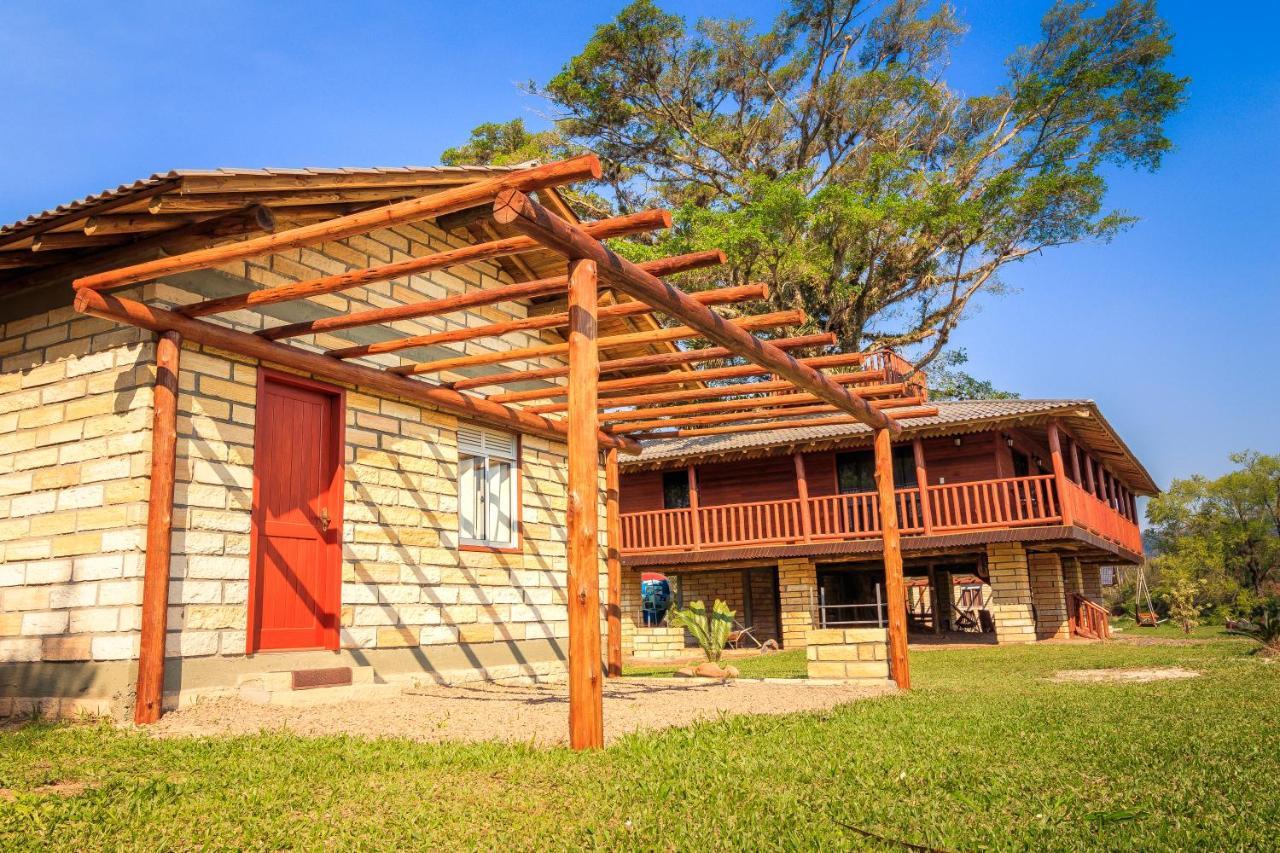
(405,581)
(75,410)
(798,595)
(658,643)
(1091,582)
(1010,602)
(1048,596)
(75,416)
(848,654)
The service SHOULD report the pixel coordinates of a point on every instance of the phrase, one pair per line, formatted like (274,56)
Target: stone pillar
(1091,582)
(798,597)
(1049,596)
(1010,593)
(851,654)
(1073,575)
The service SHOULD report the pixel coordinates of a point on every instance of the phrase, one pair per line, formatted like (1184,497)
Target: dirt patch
(528,714)
(54,789)
(1128,676)
(1160,641)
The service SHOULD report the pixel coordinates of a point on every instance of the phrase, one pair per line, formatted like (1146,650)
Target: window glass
(675,490)
(856,471)
(487,477)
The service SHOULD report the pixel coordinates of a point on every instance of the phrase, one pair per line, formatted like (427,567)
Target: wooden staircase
(1087,619)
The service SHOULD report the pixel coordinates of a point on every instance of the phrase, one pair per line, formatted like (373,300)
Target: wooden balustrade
(657,530)
(857,515)
(1007,502)
(1099,517)
(1087,619)
(953,508)
(751,523)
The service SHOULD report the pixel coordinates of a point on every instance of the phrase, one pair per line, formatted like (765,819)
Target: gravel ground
(536,714)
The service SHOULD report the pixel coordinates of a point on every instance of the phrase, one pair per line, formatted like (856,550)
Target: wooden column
(695,522)
(802,490)
(895,592)
(1075,462)
(1004,460)
(935,600)
(1060,474)
(155,582)
(613,539)
(1089,482)
(922,483)
(1133,508)
(586,715)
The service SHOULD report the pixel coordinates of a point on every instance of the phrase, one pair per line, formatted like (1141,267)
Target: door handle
(324,519)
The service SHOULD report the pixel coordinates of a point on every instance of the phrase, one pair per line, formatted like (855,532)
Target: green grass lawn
(984,753)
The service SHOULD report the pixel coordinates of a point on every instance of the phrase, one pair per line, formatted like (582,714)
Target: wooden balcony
(952,508)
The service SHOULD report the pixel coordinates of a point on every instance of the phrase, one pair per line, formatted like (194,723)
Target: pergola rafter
(769,387)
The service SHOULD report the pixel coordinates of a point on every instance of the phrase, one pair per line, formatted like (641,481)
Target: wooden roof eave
(1139,480)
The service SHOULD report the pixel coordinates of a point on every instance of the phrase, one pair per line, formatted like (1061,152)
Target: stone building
(391,576)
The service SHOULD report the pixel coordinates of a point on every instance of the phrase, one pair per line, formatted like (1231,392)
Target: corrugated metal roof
(954,416)
(139,187)
(949,412)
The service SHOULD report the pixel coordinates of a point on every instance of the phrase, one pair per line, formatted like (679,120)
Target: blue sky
(1174,328)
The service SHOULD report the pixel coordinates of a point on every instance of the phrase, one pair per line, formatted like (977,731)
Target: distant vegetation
(1215,544)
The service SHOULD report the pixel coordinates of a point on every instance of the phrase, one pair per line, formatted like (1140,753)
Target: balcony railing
(951,508)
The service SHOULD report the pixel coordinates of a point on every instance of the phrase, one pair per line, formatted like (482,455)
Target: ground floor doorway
(295,576)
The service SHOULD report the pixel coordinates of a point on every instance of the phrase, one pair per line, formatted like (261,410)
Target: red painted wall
(773,477)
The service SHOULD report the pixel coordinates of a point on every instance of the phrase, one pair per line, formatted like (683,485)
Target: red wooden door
(294,588)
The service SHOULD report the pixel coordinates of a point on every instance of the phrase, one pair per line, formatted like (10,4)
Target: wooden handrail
(1087,619)
(1000,503)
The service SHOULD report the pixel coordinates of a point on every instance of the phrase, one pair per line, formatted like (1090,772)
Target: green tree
(829,157)
(1183,609)
(1223,532)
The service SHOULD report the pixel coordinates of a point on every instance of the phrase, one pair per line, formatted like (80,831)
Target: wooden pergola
(771,389)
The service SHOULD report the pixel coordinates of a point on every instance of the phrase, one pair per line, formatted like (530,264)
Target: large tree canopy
(827,154)
(1225,532)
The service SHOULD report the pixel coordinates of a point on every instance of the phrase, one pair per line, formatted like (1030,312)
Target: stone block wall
(75,437)
(1091,582)
(1010,602)
(1048,596)
(848,654)
(75,417)
(798,596)
(662,642)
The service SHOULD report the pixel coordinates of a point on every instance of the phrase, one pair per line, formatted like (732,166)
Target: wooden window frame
(518,515)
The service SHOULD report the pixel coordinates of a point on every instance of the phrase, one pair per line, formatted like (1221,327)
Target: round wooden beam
(159,320)
(516,209)
(582,168)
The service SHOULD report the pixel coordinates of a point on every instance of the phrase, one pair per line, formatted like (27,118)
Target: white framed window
(488,487)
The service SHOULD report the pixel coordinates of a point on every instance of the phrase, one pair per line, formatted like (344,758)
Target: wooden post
(586,715)
(935,600)
(1090,483)
(613,537)
(802,490)
(1060,474)
(1075,463)
(893,584)
(155,582)
(695,523)
(1004,459)
(922,483)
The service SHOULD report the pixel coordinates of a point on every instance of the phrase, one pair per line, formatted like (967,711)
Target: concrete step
(317,686)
